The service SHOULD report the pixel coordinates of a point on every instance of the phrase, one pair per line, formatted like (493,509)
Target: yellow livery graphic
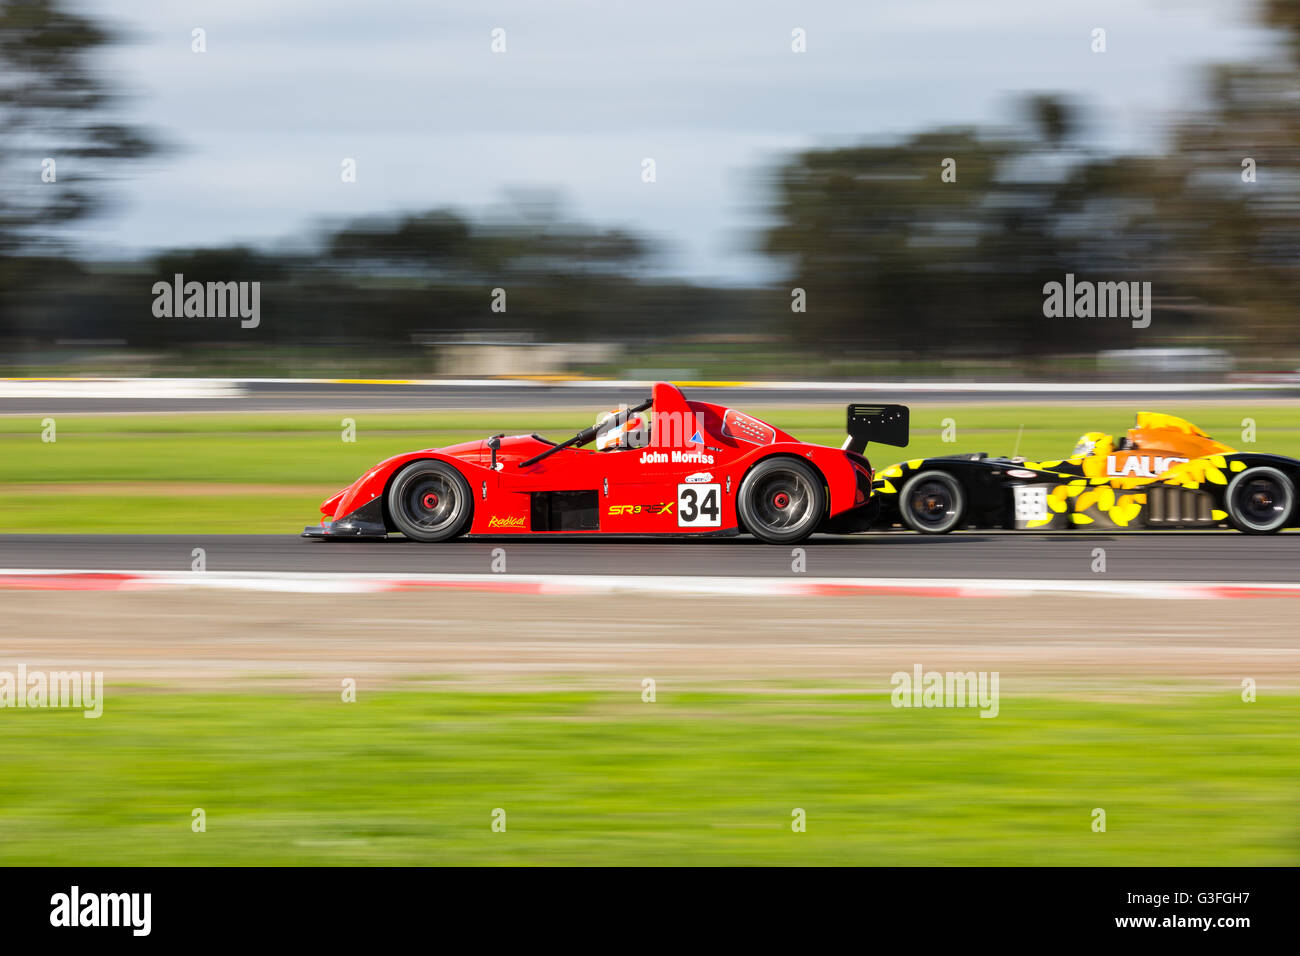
(1163,473)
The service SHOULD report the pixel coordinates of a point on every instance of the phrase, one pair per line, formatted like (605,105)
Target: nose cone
(331,504)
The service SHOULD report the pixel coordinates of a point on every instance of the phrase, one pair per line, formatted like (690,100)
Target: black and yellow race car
(1164,473)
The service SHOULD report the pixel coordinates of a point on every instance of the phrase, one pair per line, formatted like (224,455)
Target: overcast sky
(710,90)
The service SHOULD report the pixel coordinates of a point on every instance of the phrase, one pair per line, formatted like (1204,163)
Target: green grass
(597,778)
(160,514)
(305,453)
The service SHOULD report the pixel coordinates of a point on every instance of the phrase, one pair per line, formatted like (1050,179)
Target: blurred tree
(59,141)
(1285,15)
(1053,118)
(1236,218)
(436,238)
(54,105)
(936,246)
(894,255)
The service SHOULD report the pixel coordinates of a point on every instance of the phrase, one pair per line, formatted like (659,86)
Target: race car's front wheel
(430,501)
(781,500)
(1261,500)
(932,502)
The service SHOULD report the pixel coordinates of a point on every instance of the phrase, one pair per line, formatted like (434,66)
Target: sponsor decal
(699,476)
(510,521)
(675,458)
(747,428)
(1140,466)
(663,508)
(696,439)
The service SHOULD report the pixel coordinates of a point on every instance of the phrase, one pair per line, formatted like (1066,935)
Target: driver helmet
(1094,443)
(633,433)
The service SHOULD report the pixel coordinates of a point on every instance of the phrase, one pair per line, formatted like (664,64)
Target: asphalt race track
(1154,556)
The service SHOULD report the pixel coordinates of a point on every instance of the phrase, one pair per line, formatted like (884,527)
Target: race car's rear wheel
(1261,500)
(932,502)
(430,501)
(781,500)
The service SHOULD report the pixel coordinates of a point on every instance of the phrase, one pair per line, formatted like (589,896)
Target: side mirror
(493,444)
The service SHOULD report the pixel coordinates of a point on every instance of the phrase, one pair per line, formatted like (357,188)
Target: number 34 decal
(698,506)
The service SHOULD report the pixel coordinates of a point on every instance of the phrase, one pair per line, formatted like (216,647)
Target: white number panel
(699,506)
(1031,502)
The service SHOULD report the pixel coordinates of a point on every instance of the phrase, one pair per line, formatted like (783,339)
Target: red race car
(663,467)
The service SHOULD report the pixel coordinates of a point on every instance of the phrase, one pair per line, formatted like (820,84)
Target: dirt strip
(1077,645)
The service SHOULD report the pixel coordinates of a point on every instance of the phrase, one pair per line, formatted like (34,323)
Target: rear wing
(886,424)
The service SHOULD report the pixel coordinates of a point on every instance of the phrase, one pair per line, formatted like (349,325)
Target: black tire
(430,501)
(781,500)
(932,502)
(1260,500)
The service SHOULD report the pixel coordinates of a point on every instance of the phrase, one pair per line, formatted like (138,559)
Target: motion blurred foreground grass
(410,777)
(268,472)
